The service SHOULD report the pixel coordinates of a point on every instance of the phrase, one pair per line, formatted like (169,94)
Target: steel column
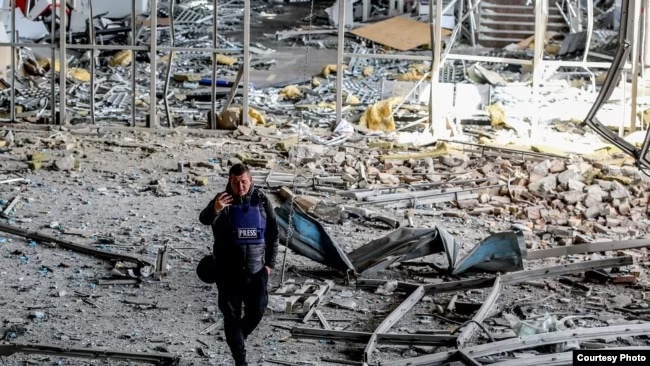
(541,18)
(63,75)
(133,67)
(636,20)
(436,120)
(646,36)
(12,103)
(53,65)
(212,123)
(247,60)
(339,64)
(153,101)
(170,63)
(91,39)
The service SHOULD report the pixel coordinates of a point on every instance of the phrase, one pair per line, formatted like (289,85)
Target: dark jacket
(231,257)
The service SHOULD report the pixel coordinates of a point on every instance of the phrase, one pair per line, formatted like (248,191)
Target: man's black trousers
(235,290)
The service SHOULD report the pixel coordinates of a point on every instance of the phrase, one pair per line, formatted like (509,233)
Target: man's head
(240,179)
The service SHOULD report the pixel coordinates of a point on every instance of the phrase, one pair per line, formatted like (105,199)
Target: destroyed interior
(454,181)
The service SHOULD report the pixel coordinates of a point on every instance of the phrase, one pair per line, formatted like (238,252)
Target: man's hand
(222,201)
(268,270)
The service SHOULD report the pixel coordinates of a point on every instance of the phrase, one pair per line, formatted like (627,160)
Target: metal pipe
(202,50)
(12,103)
(437,123)
(432,34)
(593,65)
(472,22)
(460,12)
(388,56)
(133,66)
(63,42)
(635,64)
(559,9)
(646,35)
(153,119)
(53,65)
(123,47)
(446,9)
(590,28)
(26,45)
(621,126)
(213,97)
(454,34)
(172,36)
(106,47)
(541,17)
(247,59)
(91,38)
(423,197)
(339,64)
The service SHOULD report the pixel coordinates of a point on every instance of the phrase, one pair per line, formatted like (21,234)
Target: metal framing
(527,342)
(508,278)
(438,58)
(61,43)
(382,338)
(392,319)
(469,330)
(626,38)
(157,358)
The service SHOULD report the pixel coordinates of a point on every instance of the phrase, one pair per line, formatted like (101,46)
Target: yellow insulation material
(378,116)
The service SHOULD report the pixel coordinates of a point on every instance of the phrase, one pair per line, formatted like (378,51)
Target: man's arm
(221,225)
(209,216)
(271,237)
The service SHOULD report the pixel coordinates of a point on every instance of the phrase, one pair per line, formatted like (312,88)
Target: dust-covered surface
(125,191)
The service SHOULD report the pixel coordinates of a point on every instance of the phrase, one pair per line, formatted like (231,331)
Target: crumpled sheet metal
(404,244)
(500,252)
(310,239)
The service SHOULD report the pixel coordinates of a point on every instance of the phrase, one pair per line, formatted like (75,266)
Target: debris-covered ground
(397,235)
(132,192)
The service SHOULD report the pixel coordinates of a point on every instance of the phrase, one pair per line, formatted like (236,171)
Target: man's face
(240,184)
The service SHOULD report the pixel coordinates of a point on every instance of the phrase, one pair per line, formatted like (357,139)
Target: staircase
(502,22)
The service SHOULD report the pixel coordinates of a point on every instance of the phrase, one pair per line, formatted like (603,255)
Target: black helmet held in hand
(207,269)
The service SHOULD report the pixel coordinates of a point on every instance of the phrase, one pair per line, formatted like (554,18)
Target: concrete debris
(67,163)
(548,215)
(557,216)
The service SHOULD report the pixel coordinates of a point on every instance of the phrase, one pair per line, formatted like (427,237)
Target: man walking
(245,247)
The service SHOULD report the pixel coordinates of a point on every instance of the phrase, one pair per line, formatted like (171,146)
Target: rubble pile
(466,205)
(485,244)
(568,195)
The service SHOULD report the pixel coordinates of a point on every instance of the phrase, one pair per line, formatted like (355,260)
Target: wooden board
(400,33)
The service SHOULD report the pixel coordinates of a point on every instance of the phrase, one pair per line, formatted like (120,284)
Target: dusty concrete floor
(40,286)
(290,60)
